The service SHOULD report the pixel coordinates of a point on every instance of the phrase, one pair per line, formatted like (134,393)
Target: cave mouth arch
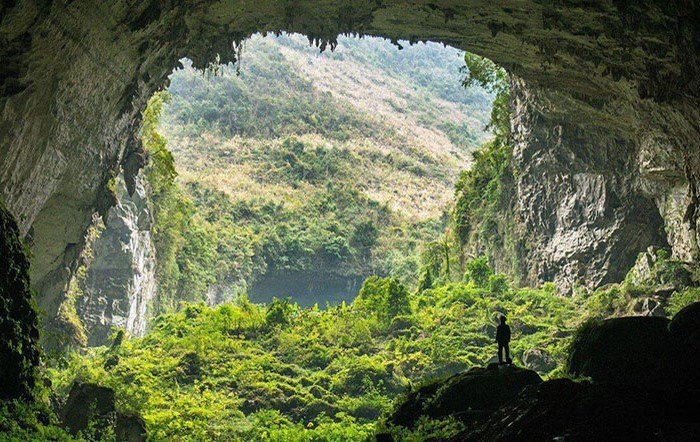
(608,135)
(273,132)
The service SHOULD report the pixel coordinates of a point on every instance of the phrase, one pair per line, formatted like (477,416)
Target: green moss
(19,351)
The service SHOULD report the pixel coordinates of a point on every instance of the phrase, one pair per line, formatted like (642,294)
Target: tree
(279,312)
(478,271)
(487,74)
(384,297)
(426,281)
(397,300)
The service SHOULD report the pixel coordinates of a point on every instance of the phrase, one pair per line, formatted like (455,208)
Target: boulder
(130,428)
(468,396)
(92,407)
(684,330)
(565,410)
(686,323)
(630,350)
(88,402)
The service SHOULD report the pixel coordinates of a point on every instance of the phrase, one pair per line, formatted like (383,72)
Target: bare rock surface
(120,281)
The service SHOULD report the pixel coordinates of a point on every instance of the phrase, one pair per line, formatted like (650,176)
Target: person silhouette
(503,338)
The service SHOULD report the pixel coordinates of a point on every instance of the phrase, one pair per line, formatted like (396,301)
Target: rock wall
(592,192)
(19,324)
(607,88)
(120,282)
(578,197)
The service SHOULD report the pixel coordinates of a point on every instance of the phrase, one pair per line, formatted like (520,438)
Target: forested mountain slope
(319,169)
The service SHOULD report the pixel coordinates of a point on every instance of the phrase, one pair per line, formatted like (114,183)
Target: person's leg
(507,348)
(500,353)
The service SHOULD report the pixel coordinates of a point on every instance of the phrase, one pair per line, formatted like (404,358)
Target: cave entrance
(297,173)
(80,75)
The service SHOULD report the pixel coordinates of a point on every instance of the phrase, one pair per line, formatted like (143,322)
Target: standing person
(503,339)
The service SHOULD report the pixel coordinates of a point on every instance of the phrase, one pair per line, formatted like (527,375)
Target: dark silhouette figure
(503,338)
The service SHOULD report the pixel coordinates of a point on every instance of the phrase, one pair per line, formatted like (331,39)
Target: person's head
(503,319)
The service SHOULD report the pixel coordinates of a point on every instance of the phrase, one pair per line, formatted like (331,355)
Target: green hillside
(306,172)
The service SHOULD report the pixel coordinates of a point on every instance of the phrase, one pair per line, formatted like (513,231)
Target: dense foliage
(281,372)
(278,372)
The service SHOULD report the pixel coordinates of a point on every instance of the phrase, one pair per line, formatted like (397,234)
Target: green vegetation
(482,215)
(305,174)
(670,283)
(280,372)
(22,421)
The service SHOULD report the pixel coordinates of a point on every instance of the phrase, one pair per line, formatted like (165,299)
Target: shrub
(279,312)
(478,272)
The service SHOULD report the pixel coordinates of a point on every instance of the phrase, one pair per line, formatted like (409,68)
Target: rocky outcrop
(19,352)
(640,351)
(90,410)
(120,281)
(469,396)
(577,195)
(606,124)
(622,350)
(564,410)
(88,402)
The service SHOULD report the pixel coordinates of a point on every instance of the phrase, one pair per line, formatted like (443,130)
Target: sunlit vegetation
(279,372)
(283,169)
(485,192)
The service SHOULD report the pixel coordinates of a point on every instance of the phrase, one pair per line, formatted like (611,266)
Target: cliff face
(19,323)
(592,192)
(120,281)
(606,125)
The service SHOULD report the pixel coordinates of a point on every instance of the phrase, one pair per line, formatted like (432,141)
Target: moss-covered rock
(19,352)
(622,350)
(468,396)
(643,351)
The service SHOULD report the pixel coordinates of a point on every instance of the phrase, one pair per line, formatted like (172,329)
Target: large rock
(468,396)
(643,351)
(90,408)
(685,336)
(565,410)
(19,352)
(88,403)
(623,350)
(685,325)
